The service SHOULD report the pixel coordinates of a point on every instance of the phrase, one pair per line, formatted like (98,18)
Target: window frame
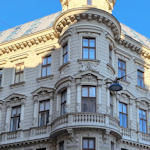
(87,98)
(65,47)
(143,120)
(63,103)
(46,66)
(44,111)
(88,138)
(124,114)
(124,78)
(19,72)
(141,78)
(17,116)
(61,144)
(88,47)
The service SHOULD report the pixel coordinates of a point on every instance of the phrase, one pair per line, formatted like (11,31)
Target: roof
(47,22)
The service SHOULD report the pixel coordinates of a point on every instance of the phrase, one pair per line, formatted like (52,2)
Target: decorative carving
(89,66)
(106,136)
(71,134)
(89,78)
(78,107)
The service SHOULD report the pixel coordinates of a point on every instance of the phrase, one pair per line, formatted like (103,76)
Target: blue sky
(132,13)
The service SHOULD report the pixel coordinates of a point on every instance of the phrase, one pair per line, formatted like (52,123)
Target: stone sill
(111,68)
(46,77)
(63,66)
(92,60)
(17,84)
(141,88)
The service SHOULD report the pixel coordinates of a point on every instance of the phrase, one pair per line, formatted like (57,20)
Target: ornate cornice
(28,43)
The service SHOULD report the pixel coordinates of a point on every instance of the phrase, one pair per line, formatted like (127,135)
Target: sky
(133,13)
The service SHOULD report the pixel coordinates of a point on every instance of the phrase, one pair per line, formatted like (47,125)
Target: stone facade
(43,74)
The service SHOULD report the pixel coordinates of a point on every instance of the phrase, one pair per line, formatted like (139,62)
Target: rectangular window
(143,120)
(88,99)
(46,66)
(63,102)
(19,73)
(65,54)
(15,118)
(88,144)
(1,73)
(89,2)
(111,104)
(140,75)
(110,54)
(121,69)
(44,112)
(112,145)
(89,48)
(61,145)
(123,114)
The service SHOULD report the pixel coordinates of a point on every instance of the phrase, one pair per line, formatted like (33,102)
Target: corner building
(54,79)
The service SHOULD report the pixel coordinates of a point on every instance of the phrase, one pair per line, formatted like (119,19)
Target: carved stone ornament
(71,134)
(106,136)
(89,78)
(89,66)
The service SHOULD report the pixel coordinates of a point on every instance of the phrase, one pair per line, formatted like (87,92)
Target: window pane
(124,109)
(92,105)
(17,68)
(43,71)
(48,70)
(141,125)
(119,73)
(21,77)
(120,118)
(47,105)
(124,121)
(18,111)
(85,143)
(85,42)
(144,126)
(91,143)
(84,105)
(84,91)
(92,53)
(92,92)
(49,60)
(89,2)
(120,107)
(140,113)
(85,53)
(41,106)
(14,112)
(144,115)
(17,78)
(92,43)
(44,61)
(22,67)
(123,65)
(119,63)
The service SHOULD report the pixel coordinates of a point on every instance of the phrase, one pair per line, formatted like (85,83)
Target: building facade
(54,79)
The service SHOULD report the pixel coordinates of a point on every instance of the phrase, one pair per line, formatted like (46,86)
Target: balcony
(86,120)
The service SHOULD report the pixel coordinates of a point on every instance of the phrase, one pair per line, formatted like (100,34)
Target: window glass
(121,69)
(46,66)
(92,53)
(85,91)
(85,143)
(89,2)
(88,144)
(85,42)
(85,52)
(92,91)
(65,53)
(143,120)
(91,143)
(92,43)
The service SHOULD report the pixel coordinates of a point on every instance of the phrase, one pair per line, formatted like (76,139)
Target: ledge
(92,60)
(17,84)
(64,65)
(109,66)
(141,88)
(46,77)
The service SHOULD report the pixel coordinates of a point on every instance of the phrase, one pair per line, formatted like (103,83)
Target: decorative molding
(18,57)
(45,78)
(110,67)
(17,84)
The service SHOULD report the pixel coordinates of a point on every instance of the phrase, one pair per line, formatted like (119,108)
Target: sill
(93,60)
(44,78)
(64,66)
(17,84)
(141,88)
(109,66)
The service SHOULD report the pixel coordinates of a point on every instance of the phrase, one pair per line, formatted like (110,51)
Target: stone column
(51,108)
(130,114)
(108,101)
(8,116)
(58,104)
(99,98)
(137,117)
(35,113)
(78,103)
(22,114)
(68,98)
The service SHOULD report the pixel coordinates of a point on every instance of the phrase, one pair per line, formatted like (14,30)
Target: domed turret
(106,5)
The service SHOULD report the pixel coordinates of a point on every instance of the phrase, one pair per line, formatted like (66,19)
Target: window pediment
(143,100)
(126,93)
(43,93)
(15,99)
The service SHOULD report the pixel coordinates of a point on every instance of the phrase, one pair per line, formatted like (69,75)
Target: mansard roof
(47,22)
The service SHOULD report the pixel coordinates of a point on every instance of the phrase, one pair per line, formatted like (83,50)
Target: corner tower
(106,5)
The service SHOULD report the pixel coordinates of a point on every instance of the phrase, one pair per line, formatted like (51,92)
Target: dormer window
(89,2)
